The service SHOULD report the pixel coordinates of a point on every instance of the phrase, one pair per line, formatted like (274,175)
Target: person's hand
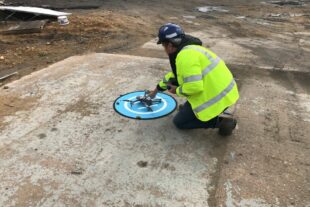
(172,89)
(153,93)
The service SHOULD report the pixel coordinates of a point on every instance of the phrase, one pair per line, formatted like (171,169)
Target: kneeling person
(201,77)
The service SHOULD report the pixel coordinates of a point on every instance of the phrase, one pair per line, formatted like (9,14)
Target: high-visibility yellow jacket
(204,80)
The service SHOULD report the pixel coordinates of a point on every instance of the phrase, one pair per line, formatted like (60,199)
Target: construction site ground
(62,144)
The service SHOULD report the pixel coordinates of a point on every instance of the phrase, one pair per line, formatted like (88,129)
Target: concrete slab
(61,143)
(65,146)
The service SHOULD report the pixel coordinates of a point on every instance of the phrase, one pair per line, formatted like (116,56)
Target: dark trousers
(186,119)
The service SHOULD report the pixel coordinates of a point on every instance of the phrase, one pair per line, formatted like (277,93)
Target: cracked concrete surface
(71,149)
(67,147)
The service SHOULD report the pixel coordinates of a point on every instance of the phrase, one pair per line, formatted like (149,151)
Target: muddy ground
(266,160)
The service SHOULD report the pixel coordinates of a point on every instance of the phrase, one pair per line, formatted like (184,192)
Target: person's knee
(178,123)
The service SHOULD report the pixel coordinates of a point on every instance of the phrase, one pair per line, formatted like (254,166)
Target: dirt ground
(119,26)
(266,160)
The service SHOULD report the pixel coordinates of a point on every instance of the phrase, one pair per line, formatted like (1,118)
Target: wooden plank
(25,27)
(7,76)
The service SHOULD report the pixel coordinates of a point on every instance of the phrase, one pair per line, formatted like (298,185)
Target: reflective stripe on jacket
(205,81)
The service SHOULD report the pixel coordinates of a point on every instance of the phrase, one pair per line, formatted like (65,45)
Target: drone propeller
(146,100)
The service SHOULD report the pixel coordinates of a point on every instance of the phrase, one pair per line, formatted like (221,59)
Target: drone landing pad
(138,110)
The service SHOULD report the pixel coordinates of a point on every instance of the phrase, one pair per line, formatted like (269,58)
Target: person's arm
(190,69)
(162,85)
(153,93)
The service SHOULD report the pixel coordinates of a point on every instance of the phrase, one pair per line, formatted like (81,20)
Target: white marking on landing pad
(146,107)
(72,149)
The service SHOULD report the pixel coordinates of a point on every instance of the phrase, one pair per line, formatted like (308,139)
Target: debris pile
(23,13)
(24,27)
(22,20)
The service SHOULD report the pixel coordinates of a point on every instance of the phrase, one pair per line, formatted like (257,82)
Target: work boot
(226,126)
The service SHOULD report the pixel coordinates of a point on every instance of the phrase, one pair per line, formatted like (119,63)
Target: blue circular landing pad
(129,106)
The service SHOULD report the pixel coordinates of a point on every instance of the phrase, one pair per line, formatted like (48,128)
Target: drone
(146,100)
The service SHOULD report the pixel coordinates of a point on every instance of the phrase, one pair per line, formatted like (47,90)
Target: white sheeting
(34,10)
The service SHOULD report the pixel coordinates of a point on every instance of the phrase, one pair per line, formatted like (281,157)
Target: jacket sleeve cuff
(179,92)
(159,88)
